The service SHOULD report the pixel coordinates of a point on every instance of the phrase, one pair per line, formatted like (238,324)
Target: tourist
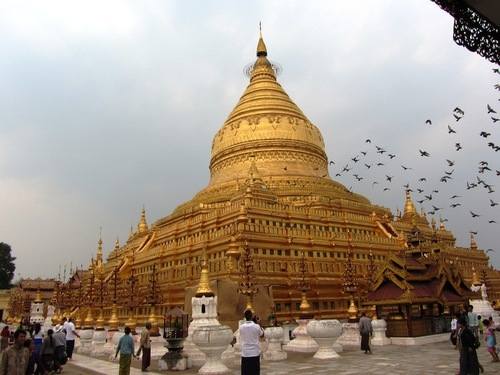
(4,341)
(250,333)
(473,321)
(15,359)
(37,340)
(60,357)
(467,344)
(145,347)
(453,335)
(33,360)
(491,340)
(47,353)
(126,349)
(365,330)
(480,325)
(71,336)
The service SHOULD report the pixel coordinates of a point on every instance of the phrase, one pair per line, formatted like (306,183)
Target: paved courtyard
(438,358)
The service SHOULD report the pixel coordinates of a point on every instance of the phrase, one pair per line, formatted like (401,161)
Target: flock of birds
(376,165)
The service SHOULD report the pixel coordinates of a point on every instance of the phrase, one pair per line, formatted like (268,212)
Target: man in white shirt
(71,336)
(250,332)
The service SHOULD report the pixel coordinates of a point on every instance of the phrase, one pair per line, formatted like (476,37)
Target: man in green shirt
(126,349)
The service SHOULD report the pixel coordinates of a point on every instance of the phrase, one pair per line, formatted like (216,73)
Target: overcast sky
(109,105)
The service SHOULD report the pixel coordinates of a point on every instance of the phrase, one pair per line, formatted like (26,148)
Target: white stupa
(36,312)
(482,306)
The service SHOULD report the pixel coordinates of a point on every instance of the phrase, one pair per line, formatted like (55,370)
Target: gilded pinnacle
(204,284)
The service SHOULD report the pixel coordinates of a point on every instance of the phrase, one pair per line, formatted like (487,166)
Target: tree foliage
(7,266)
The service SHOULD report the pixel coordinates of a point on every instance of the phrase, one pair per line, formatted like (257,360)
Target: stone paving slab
(432,359)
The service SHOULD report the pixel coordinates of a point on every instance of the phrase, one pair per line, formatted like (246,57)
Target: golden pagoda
(269,182)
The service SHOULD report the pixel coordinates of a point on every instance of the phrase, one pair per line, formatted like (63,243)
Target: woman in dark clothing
(47,353)
(467,345)
(32,358)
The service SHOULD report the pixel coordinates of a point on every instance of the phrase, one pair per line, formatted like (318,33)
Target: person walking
(250,333)
(71,336)
(365,330)
(15,359)
(126,349)
(467,344)
(453,326)
(60,357)
(47,353)
(491,340)
(473,321)
(145,347)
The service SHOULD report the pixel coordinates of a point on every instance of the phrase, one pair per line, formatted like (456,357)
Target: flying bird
(332,162)
(420,191)
(474,214)
(428,197)
(423,179)
(455,205)
(455,196)
(490,110)
(389,178)
(459,111)
(380,164)
(421,201)
(457,118)
(484,134)
(364,153)
(355,159)
(458,146)
(391,156)
(428,122)
(436,208)
(424,153)
(492,222)
(495,119)
(451,163)
(368,166)
(451,130)
(368,141)
(387,189)
(405,168)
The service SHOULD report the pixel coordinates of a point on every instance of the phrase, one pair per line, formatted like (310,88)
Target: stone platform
(440,358)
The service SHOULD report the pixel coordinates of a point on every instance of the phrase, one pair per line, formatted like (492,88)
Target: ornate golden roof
(268,125)
(409,206)
(142,227)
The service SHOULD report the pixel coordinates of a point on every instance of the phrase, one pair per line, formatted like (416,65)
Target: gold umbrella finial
(204,284)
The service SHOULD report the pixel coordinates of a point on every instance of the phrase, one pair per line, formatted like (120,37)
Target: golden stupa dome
(268,127)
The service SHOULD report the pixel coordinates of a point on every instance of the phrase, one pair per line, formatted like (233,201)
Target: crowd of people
(30,350)
(468,330)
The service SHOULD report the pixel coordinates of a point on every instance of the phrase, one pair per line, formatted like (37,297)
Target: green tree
(7,266)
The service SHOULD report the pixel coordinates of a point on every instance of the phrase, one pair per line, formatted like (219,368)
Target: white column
(379,337)
(212,341)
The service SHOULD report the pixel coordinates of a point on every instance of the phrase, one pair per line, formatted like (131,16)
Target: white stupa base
(287,330)
(109,348)
(350,335)
(303,343)
(86,336)
(274,337)
(484,308)
(379,333)
(198,358)
(325,333)
(98,342)
(213,341)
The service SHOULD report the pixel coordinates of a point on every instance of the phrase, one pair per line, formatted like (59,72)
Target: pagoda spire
(204,284)
(473,243)
(99,248)
(409,205)
(142,227)
(261,46)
